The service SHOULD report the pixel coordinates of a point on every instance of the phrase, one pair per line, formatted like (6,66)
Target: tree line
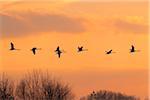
(37,85)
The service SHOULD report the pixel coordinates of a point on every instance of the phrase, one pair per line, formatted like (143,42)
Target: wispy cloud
(123,24)
(132,27)
(33,22)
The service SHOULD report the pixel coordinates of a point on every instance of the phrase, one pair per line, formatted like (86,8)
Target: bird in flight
(12,47)
(34,50)
(81,49)
(58,51)
(109,52)
(133,49)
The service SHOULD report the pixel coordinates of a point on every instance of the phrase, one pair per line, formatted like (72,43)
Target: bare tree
(6,88)
(40,86)
(109,95)
(21,90)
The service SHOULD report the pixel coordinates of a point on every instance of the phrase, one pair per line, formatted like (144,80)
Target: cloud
(12,26)
(33,22)
(124,24)
(128,26)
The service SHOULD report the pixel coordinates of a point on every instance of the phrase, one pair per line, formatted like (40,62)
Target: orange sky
(98,26)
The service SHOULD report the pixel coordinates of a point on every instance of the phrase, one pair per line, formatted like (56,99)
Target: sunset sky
(98,26)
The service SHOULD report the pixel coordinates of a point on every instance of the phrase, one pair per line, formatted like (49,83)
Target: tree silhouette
(6,88)
(108,95)
(39,86)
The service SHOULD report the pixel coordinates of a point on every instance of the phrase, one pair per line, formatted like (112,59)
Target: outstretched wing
(132,47)
(12,46)
(59,55)
(57,49)
(34,51)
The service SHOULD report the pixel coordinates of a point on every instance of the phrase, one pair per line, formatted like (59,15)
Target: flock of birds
(79,49)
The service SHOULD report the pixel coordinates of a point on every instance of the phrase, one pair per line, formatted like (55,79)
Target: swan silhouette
(81,49)
(12,47)
(34,50)
(58,51)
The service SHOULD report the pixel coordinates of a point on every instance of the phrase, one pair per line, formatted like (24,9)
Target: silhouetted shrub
(39,86)
(6,88)
(108,95)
